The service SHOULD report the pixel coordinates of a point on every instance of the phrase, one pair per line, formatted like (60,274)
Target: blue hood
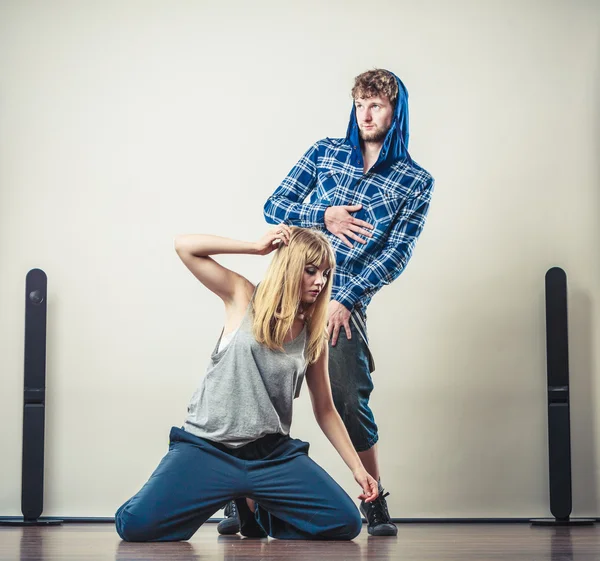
(395,145)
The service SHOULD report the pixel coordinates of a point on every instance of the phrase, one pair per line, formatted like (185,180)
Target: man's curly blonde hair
(376,82)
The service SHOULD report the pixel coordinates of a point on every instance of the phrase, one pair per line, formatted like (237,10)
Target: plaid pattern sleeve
(390,263)
(287,202)
(394,198)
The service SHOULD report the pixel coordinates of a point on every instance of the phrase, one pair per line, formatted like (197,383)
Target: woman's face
(314,279)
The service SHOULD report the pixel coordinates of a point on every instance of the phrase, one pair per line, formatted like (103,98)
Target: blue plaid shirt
(395,195)
(395,201)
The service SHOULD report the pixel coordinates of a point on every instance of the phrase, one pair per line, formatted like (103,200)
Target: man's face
(374,116)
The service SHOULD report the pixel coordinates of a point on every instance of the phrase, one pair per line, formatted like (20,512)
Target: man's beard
(377,135)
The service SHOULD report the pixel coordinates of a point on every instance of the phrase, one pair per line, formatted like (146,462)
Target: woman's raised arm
(195,251)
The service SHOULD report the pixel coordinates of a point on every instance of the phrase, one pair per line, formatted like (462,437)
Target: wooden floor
(415,542)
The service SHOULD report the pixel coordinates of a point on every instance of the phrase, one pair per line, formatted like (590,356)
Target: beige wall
(125,123)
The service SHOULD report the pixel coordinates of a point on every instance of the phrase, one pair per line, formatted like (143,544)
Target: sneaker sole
(379,531)
(228,526)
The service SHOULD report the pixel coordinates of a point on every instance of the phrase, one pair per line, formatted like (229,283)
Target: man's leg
(351,386)
(190,484)
(369,460)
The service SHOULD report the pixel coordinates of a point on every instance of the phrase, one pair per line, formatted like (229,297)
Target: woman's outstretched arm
(317,379)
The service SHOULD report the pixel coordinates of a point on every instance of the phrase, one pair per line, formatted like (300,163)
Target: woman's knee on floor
(344,523)
(131,528)
(140,527)
(350,524)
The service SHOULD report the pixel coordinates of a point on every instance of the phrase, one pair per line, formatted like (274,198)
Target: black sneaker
(378,517)
(249,527)
(230,524)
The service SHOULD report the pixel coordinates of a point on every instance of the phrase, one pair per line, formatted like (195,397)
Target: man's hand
(341,223)
(339,317)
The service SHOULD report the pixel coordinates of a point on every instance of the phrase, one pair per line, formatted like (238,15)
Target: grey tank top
(248,389)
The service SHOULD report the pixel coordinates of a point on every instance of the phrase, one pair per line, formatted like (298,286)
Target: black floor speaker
(34,403)
(559,425)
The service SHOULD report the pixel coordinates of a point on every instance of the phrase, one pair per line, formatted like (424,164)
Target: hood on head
(395,145)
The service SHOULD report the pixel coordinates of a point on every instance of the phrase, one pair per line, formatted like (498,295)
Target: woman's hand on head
(370,487)
(274,237)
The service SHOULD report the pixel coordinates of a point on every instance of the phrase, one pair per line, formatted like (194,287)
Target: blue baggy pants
(296,498)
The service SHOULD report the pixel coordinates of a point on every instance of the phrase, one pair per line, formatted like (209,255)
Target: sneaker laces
(230,510)
(379,513)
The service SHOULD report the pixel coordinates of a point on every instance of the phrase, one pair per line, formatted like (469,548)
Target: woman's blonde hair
(277,297)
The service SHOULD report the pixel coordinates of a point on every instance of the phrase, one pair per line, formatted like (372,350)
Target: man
(372,198)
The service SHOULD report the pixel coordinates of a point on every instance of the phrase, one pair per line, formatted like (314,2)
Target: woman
(235,442)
